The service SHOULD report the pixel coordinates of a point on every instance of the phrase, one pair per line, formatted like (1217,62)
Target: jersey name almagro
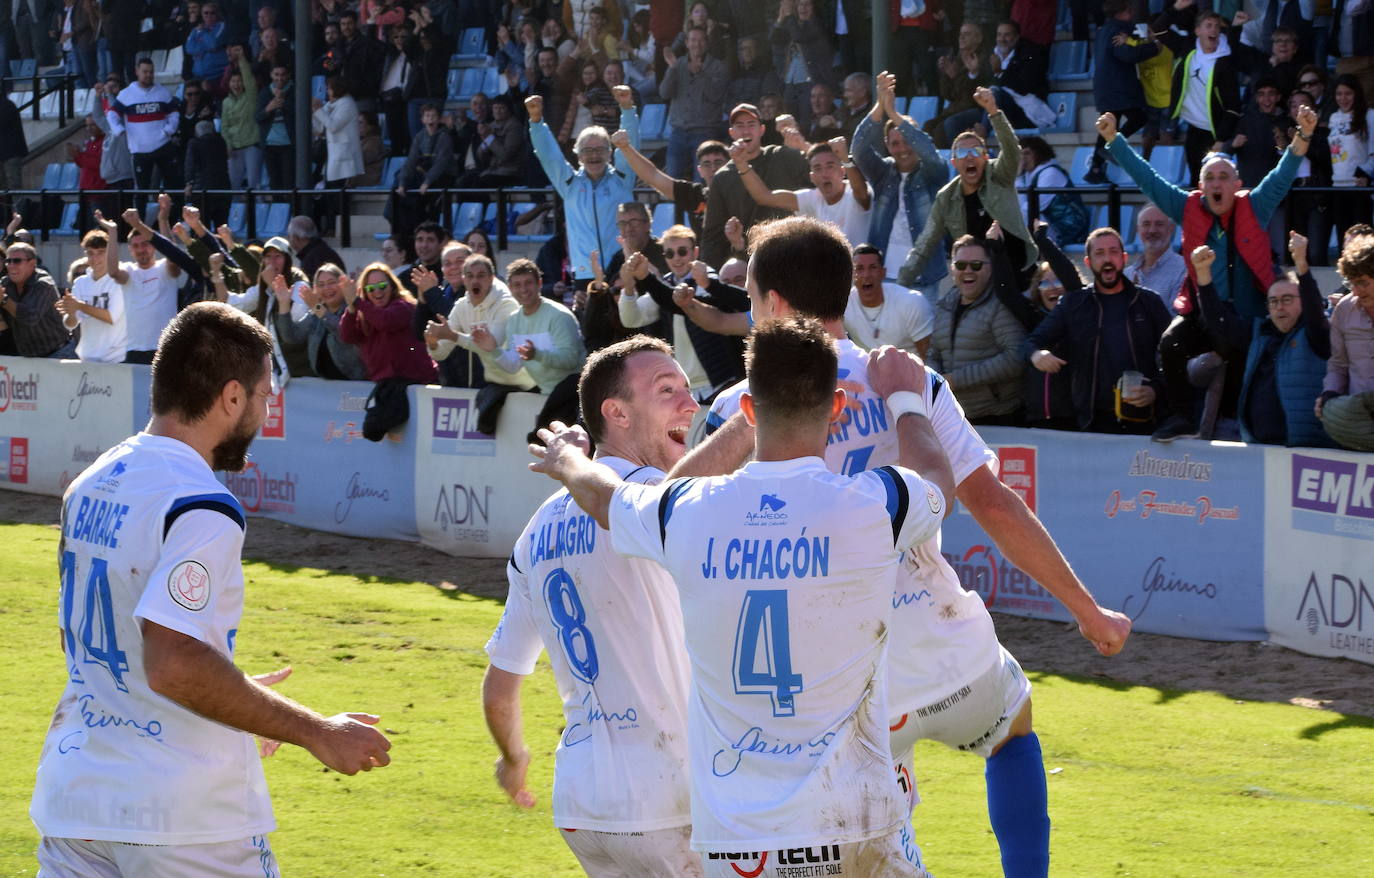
(613,631)
(147,534)
(786,573)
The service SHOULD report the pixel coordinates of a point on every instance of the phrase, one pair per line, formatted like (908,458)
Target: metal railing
(40,86)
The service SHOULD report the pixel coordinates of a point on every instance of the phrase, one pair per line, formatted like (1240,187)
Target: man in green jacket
(977,197)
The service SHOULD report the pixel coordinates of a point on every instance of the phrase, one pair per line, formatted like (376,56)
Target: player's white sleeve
(198,570)
(964,448)
(915,506)
(514,646)
(639,517)
(723,409)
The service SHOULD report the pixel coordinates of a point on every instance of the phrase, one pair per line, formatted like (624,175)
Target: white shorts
(633,854)
(891,856)
(976,717)
(74,858)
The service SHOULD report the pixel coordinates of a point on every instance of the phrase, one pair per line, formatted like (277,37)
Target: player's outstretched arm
(563,457)
(198,678)
(501,704)
(1024,541)
(724,451)
(900,378)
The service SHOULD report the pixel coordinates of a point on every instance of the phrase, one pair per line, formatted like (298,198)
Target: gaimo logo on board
(455,430)
(18,393)
(1333,496)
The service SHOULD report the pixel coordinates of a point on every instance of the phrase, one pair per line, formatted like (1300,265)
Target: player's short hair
(806,261)
(206,346)
(1357,259)
(603,378)
(523,266)
(792,365)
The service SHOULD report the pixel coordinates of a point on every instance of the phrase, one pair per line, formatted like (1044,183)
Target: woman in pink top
(378,321)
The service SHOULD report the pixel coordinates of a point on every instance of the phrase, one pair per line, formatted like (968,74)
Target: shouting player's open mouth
(679,433)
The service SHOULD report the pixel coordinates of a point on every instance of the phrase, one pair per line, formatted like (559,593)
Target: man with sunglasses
(28,304)
(976,198)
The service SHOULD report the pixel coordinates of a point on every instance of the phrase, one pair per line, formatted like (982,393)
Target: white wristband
(907,402)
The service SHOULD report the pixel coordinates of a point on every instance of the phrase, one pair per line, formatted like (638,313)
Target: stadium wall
(1213,541)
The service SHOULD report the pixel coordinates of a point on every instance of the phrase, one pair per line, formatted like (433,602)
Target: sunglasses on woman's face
(680,252)
(975,265)
(377,287)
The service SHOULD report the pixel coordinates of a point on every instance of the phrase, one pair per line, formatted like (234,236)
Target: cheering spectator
(311,250)
(205,46)
(779,167)
(1348,133)
(754,76)
(500,146)
(840,196)
(430,165)
(1206,85)
(1281,64)
(1109,330)
(1261,128)
(1019,73)
(435,298)
(276,120)
(688,196)
(28,298)
(597,42)
(1310,214)
(695,86)
(377,320)
(87,157)
(364,61)
(329,355)
(274,53)
(1160,267)
(977,197)
(543,338)
(151,298)
(880,312)
(239,124)
(719,35)
(1288,357)
(824,124)
(147,113)
(802,55)
(1116,87)
(378,15)
(592,191)
(96,301)
(976,341)
(430,238)
(1346,405)
(337,120)
(961,74)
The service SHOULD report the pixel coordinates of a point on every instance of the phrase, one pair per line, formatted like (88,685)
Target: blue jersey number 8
(762,637)
(570,618)
(97,629)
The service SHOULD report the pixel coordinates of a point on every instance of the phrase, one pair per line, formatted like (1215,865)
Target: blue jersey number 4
(96,631)
(570,618)
(763,650)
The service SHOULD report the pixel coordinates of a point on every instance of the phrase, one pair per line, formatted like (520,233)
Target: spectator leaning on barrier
(901,164)
(429,240)
(1346,405)
(977,197)
(29,299)
(96,301)
(1287,359)
(1159,267)
(147,113)
(543,338)
(1109,329)
(688,196)
(1228,220)
(329,355)
(779,167)
(592,192)
(880,312)
(430,165)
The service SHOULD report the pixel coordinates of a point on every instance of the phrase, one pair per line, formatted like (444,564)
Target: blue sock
(1018,807)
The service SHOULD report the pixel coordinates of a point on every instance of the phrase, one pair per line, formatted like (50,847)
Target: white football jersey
(943,634)
(147,533)
(101,342)
(150,302)
(786,573)
(613,630)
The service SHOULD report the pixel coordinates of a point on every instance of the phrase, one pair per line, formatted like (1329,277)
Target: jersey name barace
(97,522)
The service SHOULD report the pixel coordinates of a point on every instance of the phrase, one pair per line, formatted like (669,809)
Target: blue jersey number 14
(96,631)
(763,650)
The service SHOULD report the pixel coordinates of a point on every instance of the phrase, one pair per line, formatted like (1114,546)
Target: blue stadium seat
(52,176)
(455,83)
(491,82)
(488,219)
(391,169)
(175,58)
(318,89)
(1082,160)
(1069,60)
(261,209)
(663,218)
(472,46)
(923,109)
(466,216)
(23,67)
(515,211)
(67,229)
(238,220)
(1172,164)
(71,176)
(1097,217)
(278,215)
(651,120)
(1065,106)
(469,84)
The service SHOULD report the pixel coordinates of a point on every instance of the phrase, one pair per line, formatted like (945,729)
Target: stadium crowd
(770,116)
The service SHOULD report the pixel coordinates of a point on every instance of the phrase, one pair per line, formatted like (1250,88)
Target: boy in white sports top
(613,630)
(950,680)
(96,300)
(149,767)
(785,573)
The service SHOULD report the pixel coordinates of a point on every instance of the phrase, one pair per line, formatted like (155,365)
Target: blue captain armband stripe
(937,383)
(227,504)
(898,498)
(666,504)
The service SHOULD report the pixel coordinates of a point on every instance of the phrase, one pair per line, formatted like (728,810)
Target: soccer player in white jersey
(149,768)
(785,573)
(96,300)
(950,680)
(613,631)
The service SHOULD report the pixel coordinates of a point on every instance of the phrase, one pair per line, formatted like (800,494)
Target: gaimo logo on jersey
(1001,584)
(259,492)
(455,430)
(1333,496)
(20,395)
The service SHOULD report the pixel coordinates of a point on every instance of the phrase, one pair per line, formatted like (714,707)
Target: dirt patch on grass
(1244,671)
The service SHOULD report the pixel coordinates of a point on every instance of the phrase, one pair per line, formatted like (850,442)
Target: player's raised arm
(563,457)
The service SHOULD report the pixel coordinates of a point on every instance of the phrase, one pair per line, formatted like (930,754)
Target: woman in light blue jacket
(592,191)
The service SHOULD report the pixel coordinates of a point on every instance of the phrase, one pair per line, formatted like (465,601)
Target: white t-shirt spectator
(904,318)
(101,342)
(845,213)
(151,302)
(1349,151)
(900,241)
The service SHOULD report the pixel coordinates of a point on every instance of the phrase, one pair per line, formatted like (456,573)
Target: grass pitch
(1142,781)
